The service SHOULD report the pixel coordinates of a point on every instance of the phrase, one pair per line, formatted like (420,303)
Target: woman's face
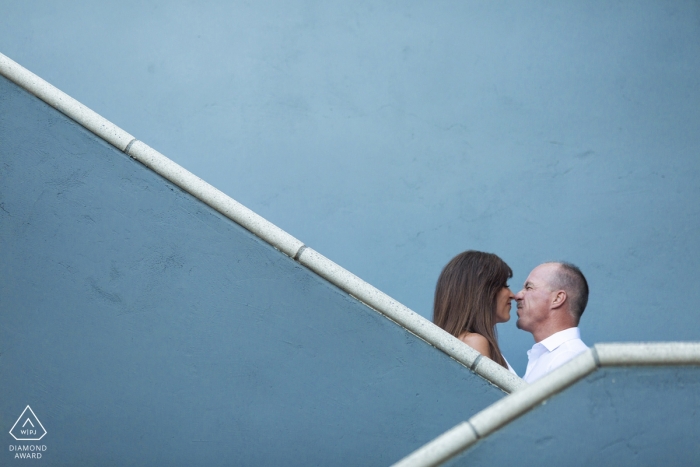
(503,301)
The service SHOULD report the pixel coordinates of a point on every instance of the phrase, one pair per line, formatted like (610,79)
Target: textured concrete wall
(143,328)
(390,136)
(618,416)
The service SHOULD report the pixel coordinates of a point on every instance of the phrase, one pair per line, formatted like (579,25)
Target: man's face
(536,297)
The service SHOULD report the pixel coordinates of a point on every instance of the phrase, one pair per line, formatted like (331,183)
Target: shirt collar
(558,338)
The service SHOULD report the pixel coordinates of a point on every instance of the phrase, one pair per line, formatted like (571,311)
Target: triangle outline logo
(38,429)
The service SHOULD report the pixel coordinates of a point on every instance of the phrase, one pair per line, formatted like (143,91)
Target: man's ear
(559,299)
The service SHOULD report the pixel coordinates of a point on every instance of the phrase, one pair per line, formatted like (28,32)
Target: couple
(472,296)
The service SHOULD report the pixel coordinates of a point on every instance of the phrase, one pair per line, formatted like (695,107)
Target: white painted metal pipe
(513,406)
(64,103)
(648,353)
(259,226)
(214,198)
(441,449)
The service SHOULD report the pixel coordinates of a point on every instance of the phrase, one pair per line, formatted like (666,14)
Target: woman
(471,297)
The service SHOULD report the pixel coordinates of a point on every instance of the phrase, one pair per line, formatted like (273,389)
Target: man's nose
(519,296)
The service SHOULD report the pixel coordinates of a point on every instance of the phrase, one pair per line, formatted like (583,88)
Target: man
(550,307)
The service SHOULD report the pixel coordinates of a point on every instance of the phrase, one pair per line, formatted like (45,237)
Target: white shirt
(553,352)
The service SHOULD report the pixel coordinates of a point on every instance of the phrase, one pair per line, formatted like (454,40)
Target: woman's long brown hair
(465,296)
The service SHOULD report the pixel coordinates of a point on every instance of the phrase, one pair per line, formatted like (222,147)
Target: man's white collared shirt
(553,352)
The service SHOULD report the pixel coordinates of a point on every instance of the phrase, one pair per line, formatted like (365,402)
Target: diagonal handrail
(499,414)
(278,238)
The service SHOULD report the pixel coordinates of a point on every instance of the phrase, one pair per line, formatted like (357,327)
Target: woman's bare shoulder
(476,342)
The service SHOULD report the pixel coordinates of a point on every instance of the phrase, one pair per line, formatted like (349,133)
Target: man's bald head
(571,280)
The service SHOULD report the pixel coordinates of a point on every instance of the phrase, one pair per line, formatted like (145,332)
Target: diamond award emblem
(28,427)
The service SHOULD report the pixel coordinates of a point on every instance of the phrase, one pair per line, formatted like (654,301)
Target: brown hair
(465,296)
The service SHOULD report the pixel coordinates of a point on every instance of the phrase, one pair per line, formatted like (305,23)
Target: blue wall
(390,136)
(615,416)
(144,328)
